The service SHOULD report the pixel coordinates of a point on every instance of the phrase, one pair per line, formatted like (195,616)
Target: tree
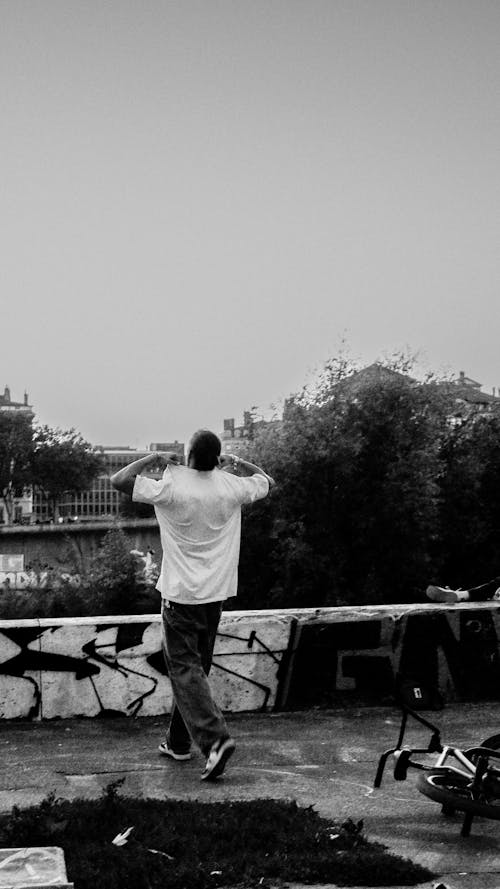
(470,501)
(16,451)
(62,462)
(256,571)
(356,512)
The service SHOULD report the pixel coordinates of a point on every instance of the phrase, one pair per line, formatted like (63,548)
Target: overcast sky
(199,200)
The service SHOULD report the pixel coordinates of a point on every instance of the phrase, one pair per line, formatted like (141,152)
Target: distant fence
(263,660)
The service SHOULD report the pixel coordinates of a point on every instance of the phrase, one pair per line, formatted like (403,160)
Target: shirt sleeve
(252,487)
(151,490)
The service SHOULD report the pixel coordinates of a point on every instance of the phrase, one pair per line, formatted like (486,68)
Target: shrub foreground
(183,844)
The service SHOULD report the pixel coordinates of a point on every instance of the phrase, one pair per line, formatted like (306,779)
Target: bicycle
(471,786)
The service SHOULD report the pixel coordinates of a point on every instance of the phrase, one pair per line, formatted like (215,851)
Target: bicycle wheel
(493,742)
(453,792)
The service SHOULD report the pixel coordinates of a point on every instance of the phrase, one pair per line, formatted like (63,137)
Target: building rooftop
(6,403)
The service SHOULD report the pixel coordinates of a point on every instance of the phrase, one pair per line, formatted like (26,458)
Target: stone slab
(33,866)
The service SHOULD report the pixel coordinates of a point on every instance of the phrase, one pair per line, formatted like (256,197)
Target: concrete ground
(322,758)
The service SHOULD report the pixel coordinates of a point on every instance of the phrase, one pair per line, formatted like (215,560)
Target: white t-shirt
(199,514)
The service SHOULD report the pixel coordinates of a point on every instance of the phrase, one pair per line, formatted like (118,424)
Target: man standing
(198,509)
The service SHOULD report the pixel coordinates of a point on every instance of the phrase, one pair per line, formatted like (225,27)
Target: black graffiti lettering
(317,661)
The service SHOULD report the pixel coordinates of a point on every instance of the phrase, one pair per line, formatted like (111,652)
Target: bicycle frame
(434,745)
(471,767)
(469,770)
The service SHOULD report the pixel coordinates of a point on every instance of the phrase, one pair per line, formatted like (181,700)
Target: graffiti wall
(107,666)
(263,660)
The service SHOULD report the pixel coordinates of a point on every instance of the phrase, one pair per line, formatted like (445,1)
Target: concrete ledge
(46,528)
(264,660)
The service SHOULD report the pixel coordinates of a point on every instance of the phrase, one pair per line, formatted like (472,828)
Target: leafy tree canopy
(374,480)
(53,460)
(63,461)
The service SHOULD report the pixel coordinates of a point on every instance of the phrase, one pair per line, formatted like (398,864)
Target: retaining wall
(263,660)
(68,547)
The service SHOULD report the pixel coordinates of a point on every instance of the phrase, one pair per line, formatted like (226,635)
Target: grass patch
(201,845)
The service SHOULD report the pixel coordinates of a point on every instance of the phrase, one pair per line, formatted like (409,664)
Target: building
(176,446)
(237,439)
(372,375)
(467,397)
(468,392)
(101,501)
(6,403)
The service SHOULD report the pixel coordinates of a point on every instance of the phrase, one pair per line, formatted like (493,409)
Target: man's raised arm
(124,479)
(243,467)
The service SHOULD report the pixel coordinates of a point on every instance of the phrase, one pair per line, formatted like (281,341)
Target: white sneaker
(217,759)
(444,594)
(165,750)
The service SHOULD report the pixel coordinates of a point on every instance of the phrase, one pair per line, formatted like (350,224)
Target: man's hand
(162,459)
(238,466)
(226,461)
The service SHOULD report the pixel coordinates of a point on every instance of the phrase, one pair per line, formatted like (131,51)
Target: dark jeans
(188,641)
(484,591)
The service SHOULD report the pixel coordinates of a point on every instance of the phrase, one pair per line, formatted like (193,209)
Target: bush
(111,585)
